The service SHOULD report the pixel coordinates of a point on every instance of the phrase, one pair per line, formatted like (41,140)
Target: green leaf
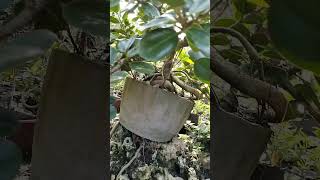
(124,45)
(202,69)
(200,38)
(220,39)
(8,124)
(4,4)
(25,47)
(158,43)
(114,20)
(10,160)
(118,76)
(89,16)
(253,18)
(195,55)
(142,67)
(294,27)
(114,55)
(173,3)
(135,49)
(149,10)
(226,22)
(163,21)
(199,6)
(261,3)
(307,93)
(114,3)
(51,19)
(113,111)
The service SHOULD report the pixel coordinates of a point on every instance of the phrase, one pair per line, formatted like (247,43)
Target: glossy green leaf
(134,49)
(225,22)
(8,124)
(10,160)
(261,3)
(114,3)
(173,3)
(294,27)
(150,10)
(202,69)
(220,39)
(114,20)
(200,38)
(199,6)
(142,67)
(25,47)
(253,18)
(307,93)
(118,76)
(114,55)
(195,55)
(113,111)
(124,45)
(157,44)
(162,21)
(4,4)
(89,16)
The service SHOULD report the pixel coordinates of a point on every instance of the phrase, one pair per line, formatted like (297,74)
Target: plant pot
(70,134)
(237,146)
(151,112)
(23,137)
(263,172)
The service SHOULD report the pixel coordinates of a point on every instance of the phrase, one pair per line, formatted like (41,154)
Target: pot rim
(159,89)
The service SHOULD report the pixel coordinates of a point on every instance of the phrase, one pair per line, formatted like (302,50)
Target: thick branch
(32,8)
(190,89)
(250,86)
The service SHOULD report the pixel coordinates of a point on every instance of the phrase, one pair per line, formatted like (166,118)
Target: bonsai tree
(267,51)
(164,42)
(29,32)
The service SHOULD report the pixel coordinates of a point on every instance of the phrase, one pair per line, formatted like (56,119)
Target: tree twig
(130,162)
(114,128)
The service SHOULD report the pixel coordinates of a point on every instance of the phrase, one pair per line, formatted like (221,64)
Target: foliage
(285,37)
(290,145)
(144,34)
(30,48)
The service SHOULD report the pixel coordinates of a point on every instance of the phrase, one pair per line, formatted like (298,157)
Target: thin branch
(117,67)
(75,46)
(137,154)
(252,52)
(114,128)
